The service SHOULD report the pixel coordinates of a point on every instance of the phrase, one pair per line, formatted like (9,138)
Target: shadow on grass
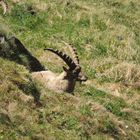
(13,50)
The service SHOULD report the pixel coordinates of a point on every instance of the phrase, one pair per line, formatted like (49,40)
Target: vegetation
(106,34)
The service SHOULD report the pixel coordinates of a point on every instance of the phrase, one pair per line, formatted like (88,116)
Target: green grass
(107,37)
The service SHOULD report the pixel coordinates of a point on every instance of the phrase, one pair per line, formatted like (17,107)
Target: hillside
(106,34)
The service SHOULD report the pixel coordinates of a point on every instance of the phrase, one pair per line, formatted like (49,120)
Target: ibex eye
(76,73)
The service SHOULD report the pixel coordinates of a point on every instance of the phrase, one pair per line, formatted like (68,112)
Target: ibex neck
(62,75)
(67,83)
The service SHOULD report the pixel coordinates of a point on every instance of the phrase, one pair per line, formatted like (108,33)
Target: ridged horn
(4,6)
(64,57)
(74,53)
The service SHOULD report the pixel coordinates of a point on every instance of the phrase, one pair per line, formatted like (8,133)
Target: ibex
(65,81)
(4,6)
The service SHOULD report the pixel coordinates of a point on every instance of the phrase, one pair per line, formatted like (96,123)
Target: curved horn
(65,58)
(74,53)
(4,6)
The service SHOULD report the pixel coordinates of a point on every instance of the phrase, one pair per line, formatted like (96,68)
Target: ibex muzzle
(82,78)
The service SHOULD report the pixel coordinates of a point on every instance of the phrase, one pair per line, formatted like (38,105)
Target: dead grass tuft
(40,5)
(123,72)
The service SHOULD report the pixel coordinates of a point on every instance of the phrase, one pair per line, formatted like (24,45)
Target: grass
(106,35)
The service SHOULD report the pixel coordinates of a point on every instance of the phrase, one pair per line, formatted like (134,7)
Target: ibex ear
(65,69)
(78,69)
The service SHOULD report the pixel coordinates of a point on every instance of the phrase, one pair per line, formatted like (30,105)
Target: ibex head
(74,71)
(81,77)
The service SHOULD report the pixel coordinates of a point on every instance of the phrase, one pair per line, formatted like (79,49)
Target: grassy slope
(106,35)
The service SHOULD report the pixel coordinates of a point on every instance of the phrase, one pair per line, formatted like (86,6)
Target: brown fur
(57,82)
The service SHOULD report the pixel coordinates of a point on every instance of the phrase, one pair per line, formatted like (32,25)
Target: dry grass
(106,35)
(123,72)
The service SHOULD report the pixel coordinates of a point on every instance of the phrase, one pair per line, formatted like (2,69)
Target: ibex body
(65,81)
(56,82)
